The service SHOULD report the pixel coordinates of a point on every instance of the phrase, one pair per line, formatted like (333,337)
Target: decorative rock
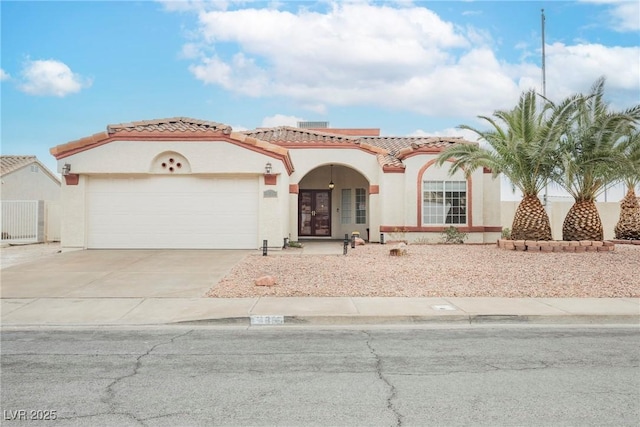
(398,250)
(265,281)
(359,241)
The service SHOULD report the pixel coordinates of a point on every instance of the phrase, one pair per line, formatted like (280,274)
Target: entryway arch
(325,212)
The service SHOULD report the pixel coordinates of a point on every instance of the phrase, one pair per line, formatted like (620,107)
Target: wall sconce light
(66,169)
(331,184)
(267,168)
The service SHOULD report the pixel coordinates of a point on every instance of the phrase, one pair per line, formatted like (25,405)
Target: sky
(68,69)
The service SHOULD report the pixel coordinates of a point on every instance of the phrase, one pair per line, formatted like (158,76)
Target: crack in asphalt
(109,389)
(392,389)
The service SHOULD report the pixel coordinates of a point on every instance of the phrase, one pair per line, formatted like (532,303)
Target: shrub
(452,235)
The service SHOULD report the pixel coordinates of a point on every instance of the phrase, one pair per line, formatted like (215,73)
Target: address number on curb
(267,320)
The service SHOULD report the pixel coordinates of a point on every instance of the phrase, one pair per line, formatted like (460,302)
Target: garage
(172,212)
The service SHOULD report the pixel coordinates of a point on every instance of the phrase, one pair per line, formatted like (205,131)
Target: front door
(314,213)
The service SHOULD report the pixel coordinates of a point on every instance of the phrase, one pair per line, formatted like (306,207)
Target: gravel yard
(439,271)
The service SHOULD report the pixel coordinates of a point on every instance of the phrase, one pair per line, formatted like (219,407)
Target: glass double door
(314,207)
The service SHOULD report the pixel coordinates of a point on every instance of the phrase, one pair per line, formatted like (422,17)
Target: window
(444,202)
(345,215)
(34,168)
(361,206)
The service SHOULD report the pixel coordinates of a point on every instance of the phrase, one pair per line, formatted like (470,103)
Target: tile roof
(174,124)
(9,164)
(169,128)
(287,134)
(394,144)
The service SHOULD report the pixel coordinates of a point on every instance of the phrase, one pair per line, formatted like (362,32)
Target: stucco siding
(29,183)
(131,157)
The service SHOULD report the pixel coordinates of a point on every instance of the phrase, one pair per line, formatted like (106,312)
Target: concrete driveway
(119,274)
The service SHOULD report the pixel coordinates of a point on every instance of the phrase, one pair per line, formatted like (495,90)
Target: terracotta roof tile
(389,160)
(175,124)
(9,164)
(395,143)
(286,134)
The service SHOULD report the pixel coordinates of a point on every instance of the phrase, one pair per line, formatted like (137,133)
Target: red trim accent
(270,179)
(486,170)
(294,188)
(72,179)
(392,169)
(374,189)
(438,229)
(469,194)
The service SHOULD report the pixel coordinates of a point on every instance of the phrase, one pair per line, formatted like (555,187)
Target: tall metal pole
(544,73)
(544,86)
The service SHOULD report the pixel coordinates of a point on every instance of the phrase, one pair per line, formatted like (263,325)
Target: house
(30,192)
(26,178)
(186,183)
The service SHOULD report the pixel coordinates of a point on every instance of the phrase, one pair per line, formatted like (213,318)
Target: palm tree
(589,158)
(628,226)
(522,142)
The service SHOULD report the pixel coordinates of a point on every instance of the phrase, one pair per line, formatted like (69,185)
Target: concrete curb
(426,320)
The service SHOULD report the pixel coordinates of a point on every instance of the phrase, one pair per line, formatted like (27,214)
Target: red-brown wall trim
(438,229)
(469,194)
(294,188)
(486,170)
(392,169)
(374,189)
(71,179)
(270,179)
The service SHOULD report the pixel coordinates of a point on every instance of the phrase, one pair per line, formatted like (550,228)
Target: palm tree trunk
(583,222)
(531,221)
(628,226)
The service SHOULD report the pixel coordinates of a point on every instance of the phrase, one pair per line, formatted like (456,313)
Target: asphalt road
(494,376)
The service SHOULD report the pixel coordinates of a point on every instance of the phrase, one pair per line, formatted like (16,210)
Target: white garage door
(179,212)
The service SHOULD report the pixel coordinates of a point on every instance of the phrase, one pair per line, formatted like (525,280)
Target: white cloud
(280,120)
(404,58)
(624,14)
(572,69)
(4,75)
(51,78)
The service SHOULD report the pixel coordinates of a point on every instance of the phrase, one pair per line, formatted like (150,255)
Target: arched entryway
(331,211)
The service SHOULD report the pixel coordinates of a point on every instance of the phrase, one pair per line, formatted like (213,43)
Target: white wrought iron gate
(22,221)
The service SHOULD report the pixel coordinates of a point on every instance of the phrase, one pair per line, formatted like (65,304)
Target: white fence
(22,221)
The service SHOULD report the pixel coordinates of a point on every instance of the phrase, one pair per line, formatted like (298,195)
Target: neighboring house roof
(10,163)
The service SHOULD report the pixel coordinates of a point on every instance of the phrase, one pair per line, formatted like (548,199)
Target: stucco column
(73,227)
(293,213)
(374,217)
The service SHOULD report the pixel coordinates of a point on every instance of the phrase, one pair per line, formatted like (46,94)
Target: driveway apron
(120,274)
